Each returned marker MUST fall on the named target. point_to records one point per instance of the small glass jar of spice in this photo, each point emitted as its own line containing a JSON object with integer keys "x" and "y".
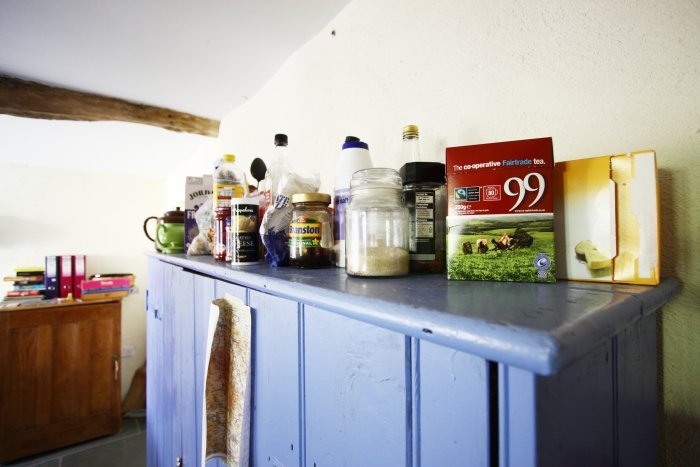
{"x": 311, "y": 231}
{"x": 222, "y": 226}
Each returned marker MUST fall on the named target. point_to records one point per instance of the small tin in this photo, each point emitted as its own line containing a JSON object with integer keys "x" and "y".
{"x": 243, "y": 237}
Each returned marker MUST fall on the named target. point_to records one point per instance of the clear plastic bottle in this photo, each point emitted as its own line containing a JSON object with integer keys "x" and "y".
{"x": 276, "y": 170}
{"x": 229, "y": 182}
{"x": 376, "y": 225}
{"x": 353, "y": 157}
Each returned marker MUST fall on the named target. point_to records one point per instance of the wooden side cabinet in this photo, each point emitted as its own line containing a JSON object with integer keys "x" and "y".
{"x": 60, "y": 375}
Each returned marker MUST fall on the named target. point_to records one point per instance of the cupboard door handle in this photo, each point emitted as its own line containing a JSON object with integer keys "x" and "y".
{"x": 115, "y": 358}
{"x": 178, "y": 462}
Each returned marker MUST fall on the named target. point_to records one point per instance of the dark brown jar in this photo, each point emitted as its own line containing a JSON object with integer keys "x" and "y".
{"x": 311, "y": 231}
{"x": 424, "y": 193}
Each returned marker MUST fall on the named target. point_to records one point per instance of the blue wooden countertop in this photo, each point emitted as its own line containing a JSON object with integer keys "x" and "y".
{"x": 538, "y": 327}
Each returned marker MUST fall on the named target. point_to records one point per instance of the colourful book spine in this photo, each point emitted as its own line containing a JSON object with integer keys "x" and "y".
{"x": 107, "y": 289}
{"x": 105, "y": 283}
{"x": 24, "y": 293}
{"x": 105, "y": 295}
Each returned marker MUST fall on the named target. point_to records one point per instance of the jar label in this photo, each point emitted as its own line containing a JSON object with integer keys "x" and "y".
{"x": 224, "y": 192}
{"x": 421, "y": 224}
{"x": 244, "y": 233}
{"x": 305, "y": 231}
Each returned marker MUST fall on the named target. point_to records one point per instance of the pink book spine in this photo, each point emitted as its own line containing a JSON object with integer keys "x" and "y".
{"x": 105, "y": 283}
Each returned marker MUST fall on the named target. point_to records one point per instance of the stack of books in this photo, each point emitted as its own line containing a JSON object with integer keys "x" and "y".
{"x": 104, "y": 286}
{"x": 27, "y": 285}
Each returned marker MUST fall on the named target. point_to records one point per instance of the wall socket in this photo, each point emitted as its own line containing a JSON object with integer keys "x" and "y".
{"x": 127, "y": 351}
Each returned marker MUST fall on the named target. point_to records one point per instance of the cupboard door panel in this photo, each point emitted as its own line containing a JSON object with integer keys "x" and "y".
{"x": 154, "y": 364}
{"x": 276, "y": 415}
{"x": 452, "y": 406}
{"x": 204, "y": 293}
{"x": 184, "y": 370}
{"x": 57, "y": 384}
{"x": 355, "y": 392}
{"x": 231, "y": 289}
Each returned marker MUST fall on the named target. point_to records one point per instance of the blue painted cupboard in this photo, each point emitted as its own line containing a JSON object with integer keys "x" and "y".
{"x": 413, "y": 371}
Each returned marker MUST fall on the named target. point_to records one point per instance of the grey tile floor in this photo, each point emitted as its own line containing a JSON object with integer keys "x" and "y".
{"x": 124, "y": 449}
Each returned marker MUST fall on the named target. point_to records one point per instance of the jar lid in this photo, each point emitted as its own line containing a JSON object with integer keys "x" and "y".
{"x": 410, "y": 130}
{"x": 376, "y": 178}
{"x": 229, "y": 158}
{"x": 174, "y": 217}
{"x": 311, "y": 198}
{"x": 354, "y": 142}
{"x": 255, "y": 201}
{"x": 281, "y": 139}
{"x": 423, "y": 172}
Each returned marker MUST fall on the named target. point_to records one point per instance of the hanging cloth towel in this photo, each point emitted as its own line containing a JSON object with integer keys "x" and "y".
{"x": 226, "y": 424}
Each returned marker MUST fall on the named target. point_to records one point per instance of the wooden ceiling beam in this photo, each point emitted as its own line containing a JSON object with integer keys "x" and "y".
{"x": 22, "y": 98}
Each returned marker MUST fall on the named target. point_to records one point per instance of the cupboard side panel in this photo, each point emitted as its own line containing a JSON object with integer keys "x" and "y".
{"x": 355, "y": 392}
{"x": 276, "y": 416}
{"x": 565, "y": 419}
{"x": 453, "y": 406}
{"x": 636, "y": 393}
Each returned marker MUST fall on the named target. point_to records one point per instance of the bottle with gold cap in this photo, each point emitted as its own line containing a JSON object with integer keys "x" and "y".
{"x": 229, "y": 182}
{"x": 411, "y": 149}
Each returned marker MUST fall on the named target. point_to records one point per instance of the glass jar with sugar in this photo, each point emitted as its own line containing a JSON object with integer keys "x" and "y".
{"x": 376, "y": 225}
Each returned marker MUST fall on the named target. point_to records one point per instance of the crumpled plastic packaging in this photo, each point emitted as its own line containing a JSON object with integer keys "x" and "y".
{"x": 274, "y": 228}
{"x": 202, "y": 243}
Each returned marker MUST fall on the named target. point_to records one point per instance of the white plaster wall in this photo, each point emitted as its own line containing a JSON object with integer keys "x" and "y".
{"x": 66, "y": 211}
{"x": 599, "y": 77}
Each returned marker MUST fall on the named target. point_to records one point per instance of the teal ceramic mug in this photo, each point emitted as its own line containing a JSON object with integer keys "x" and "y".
{"x": 170, "y": 232}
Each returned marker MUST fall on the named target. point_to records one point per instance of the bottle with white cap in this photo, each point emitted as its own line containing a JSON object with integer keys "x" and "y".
{"x": 353, "y": 157}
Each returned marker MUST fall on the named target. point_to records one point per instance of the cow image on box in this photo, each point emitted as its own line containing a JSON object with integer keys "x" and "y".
{"x": 500, "y": 211}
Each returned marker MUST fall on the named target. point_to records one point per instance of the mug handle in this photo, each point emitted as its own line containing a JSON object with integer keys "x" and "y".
{"x": 145, "y": 223}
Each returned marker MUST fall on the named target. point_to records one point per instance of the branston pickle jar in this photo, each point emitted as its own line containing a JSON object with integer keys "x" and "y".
{"x": 311, "y": 231}
{"x": 376, "y": 225}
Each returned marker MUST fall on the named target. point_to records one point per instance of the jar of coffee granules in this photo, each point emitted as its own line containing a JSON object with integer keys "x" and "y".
{"x": 424, "y": 193}
{"x": 376, "y": 225}
{"x": 311, "y": 231}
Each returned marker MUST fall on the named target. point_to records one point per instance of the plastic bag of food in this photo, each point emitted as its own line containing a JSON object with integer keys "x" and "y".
{"x": 202, "y": 243}
{"x": 274, "y": 229}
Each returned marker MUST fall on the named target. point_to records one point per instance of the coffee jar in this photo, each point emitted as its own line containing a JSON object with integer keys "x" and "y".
{"x": 376, "y": 225}
{"x": 424, "y": 193}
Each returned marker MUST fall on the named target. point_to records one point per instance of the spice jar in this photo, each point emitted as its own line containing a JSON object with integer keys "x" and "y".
{"x": 424, "y": 193}
{"x": 376, "y": 225}
{"x": 222, "y": 226}
{"x": 311, "y": 231}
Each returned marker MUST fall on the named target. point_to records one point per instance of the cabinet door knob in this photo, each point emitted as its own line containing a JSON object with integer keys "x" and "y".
{"x": 178, "y": 462}
{"x": 115, "y": 358}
